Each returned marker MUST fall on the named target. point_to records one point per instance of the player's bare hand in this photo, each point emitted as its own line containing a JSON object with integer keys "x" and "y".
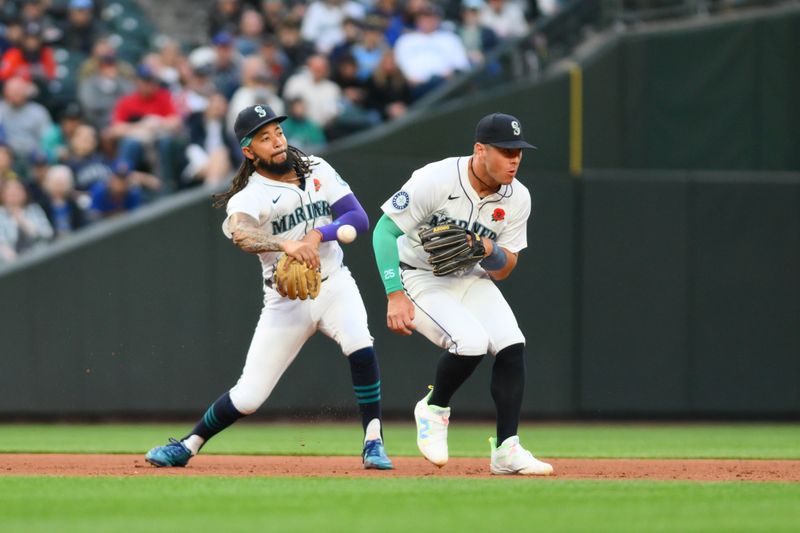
{"x": 303, "y": 251}
{"x": 488, "y": 245}
{"x": 313, "y": 237}
{"x": 400, "y": 313}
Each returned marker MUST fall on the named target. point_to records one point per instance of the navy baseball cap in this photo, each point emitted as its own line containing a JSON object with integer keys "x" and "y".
{"x": 145, "y": 72}
{"x": 120, "y": 167}
{"x": 501, "y": 130}
{"x": 222, "y": 38}
{"x": 251, "y": 119}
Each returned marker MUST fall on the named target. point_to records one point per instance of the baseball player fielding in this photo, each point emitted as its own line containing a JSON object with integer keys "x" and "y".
{"x": 446, "y": 236}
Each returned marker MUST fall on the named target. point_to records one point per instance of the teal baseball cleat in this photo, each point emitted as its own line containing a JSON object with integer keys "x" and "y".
{"x": 172, "y": 454}
{"x": 375, "y": 457}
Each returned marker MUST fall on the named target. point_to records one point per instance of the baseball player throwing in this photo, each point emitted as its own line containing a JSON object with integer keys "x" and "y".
{"x": 454, "y": 227}
{"x": 282, "y": 201}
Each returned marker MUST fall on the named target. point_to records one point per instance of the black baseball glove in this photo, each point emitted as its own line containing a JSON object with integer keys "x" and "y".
{"x": 451, "y": 248}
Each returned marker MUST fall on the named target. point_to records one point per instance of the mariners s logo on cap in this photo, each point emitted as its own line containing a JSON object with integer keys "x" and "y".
{"x": 501, "y": 130}
{"x": 251, "y": 119}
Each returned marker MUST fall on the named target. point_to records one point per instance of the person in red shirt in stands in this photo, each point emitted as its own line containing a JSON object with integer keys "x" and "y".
{"x": 147, "y": 120}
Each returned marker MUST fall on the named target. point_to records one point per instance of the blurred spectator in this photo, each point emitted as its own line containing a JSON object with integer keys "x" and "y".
{"x": 23, "y": 225}
{"x": 171, "y": 62}
{"x": 56, "y": 139}
{"x": 351, "y": 34}
{"x": 224, "y": 16}
{"x": 299, "y": 131}
{"x": 392, "y": 15}
{"x": 36, "y": 11}
{"x": 147, "y": 120}
{"x": 31, "y": 60}
{"x": 296, "y": 49}
{"x": 251, "y": 28}
{"x": 370, "y": 48}
{"x": 34, "y": 181}
{"x": 102, "y": 48}
{"x": 227, "y": 64}
{"x": 274, "y": 13}
{"x": 388, "y": 90}
{"x": 98, "y": 93}
{"x": 429, "y": 55}
{"x": 166, "y": 76}
{"x": 59, "y": 202}
{"x": 87, "y": 163}
{"x": 213, "y": 150}
{"x": 505, "y": 18}
{"x": 25, "y": 122}
{"x": 320, "y": 95}
{"x": 11, "y": 34}
{"x": 322, "y": 22}
{"x": 197, "y": 88}
{"x": 410, "y": 9}
{"x": 275, "y": 61}
{"x": 353, "y": 115}
{"x": 545, "y": 7}
{"x": 81, "y": 28}
{"x": 7, "y": 171}
{"x": 257, "y": 87}
{"x": 116, "y": 195}
{"x": 478, "y": 39}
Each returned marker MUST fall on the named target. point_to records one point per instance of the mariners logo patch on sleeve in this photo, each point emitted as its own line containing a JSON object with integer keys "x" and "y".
{"x": 400, "y": 200}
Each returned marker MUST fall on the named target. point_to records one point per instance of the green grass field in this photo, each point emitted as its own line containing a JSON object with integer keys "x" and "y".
{"x": 403, "y": 504}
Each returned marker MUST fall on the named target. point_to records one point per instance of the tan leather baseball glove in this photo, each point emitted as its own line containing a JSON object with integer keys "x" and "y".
{"x": 294, "y": 279}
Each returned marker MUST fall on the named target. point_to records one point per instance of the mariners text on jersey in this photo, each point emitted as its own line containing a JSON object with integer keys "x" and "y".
{"x": 301, "y": 214}
{"x": 437, "y": 219}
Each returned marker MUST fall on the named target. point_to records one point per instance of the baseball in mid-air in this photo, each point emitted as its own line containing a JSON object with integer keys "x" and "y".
{"x": 346, "y": 233}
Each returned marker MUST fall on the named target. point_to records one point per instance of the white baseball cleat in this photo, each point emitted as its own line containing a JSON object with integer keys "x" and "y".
{"x": 432, "y": 424}
{"x": 511, "y": 458}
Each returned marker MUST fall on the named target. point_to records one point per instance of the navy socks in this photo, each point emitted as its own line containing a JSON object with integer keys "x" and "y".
{"x": 508, "y": 386}
{"x": 219, "y": 416}
{"x": 366, "y": 383}
{"x": 451, "y": 372}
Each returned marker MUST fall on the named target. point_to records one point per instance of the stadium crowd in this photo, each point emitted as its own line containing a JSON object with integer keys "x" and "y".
{"x": 132, "y": 127}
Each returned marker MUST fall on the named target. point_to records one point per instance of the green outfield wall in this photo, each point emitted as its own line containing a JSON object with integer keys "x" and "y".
{"x": 641, "y": 294}
{"x": 646, "y": 290}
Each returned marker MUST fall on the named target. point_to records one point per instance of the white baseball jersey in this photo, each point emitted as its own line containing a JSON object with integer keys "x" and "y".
{"x": 285, "y": 325}
{"x": 291, "y": 212}
{"x": 440, "y": 193}
{"x": 463, "y": 313}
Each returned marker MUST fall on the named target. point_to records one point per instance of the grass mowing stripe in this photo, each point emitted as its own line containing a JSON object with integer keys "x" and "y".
{"x": 744, "y": 441}
{"x": 416, "y": 504}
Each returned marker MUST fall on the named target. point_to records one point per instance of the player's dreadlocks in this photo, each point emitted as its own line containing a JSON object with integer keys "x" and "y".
{"x": 301, "y": 165}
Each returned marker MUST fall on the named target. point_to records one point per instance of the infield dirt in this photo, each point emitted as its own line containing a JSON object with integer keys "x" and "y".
{"x": 313, "y": 466}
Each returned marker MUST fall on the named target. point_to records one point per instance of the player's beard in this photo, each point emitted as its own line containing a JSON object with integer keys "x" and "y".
{"x": 278, "y": 169}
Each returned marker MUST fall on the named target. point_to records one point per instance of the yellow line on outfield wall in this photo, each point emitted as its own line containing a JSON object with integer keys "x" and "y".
{"x": 575, "y": 119}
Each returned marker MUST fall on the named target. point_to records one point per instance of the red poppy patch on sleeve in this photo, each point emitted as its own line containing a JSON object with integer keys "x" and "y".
{"x": 498, "y": 215}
